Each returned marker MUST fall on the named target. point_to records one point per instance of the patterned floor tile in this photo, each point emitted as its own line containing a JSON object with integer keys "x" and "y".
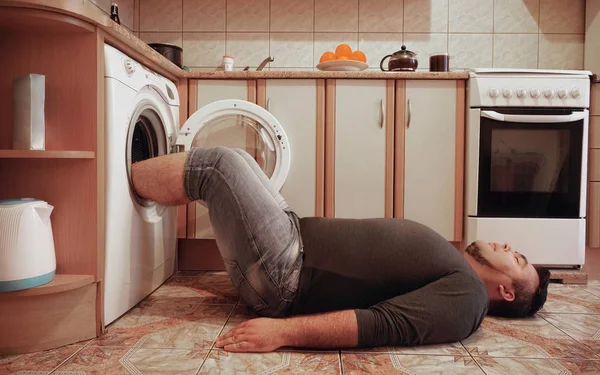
{"x": 523, "y": 338}
{"x": 133, "y": 361}
{"x": 153, "y": 311}
{"x": 582, "y": 327}
{"x": 581, "y": 366}
{"x": 38, "y": 362}
{"x": 593, "y": 286}
{"x": 571, "y": 299}
{"x": 207, "y": 289}
{"x": 221, "y": 362}
{"x": 442, "y": 349}
{"x": 177, "y": 326}
{"x": 383, "y": 363}
{"x": 199, "y": 330}
{"x": 219, "y": 284}
{"x": 95, "y": 361}
{"x": 502, "y": 366}
{"x": 240, "y": 314}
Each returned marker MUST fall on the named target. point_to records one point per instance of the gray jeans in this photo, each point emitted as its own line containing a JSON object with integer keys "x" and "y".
{"x": 257, "y": 234}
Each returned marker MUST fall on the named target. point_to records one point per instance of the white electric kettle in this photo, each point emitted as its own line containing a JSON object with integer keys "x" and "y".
{"x": 27, "y": 257}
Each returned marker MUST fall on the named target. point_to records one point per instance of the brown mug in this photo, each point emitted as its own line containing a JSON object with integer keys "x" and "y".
{"x": 440, "y": 62}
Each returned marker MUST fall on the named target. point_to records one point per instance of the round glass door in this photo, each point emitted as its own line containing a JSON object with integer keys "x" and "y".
{"x": 239, "y": 131}
{"x": 146, "y": 139}
{"x": 244, "y": 125}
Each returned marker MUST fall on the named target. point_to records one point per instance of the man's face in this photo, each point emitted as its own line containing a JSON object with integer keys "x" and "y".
{"x": 501, "y": 257}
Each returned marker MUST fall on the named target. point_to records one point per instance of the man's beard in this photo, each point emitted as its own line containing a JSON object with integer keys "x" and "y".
{"x": 474, "y": 251}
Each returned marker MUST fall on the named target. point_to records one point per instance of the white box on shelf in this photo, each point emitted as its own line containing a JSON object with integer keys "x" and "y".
{"x": 28, "y": 114}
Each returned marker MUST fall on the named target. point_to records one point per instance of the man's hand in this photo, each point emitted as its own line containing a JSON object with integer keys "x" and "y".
{"x": 255, "y": 335}
{"x": 329, "y": 330}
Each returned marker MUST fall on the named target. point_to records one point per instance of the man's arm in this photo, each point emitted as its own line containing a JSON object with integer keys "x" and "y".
{"x": 446, "y": 310}
{"x": 329, "y": 330}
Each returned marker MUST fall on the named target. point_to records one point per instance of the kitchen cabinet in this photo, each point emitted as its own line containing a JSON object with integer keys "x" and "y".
{"x": 593, "y": 214}
{"x": 359, "y": 148}
{"x": 203, "y": 92}
{"x": 298, "y": 105}
{"x": 430, "y": 155}
{"x": 595, "y": 100}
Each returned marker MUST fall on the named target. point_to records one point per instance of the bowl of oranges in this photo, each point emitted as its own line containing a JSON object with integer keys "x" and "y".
{"x": 343, "y": 59}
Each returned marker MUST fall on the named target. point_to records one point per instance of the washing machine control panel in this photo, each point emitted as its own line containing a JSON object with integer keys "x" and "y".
{"x": 129, "y": 66}
{"x": 138, "y": 73}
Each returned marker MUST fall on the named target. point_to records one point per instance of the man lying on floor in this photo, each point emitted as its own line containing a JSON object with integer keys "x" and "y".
{"x": 338, "y": 283}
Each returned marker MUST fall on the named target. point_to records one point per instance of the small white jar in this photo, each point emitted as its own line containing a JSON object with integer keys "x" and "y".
{"x": 228, "y": 63}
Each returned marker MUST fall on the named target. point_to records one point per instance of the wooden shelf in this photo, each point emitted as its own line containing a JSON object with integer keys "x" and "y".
{"x": 61, "y": 283}
{"x": 21, "y": 20}
{"x": 46, "y": 154}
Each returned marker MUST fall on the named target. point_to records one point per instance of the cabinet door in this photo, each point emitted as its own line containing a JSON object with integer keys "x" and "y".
{"x": 209, "y": 91}
{"x": 298, "y": 105}
{"x": 203, "y": 92}
{"x": 430, "y": 173}
{"x": 360, "y": 184}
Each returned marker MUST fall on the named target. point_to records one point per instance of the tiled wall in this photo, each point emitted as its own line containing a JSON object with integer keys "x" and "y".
{"x": 126, "y": 10}
{"x": 478, "y": 33}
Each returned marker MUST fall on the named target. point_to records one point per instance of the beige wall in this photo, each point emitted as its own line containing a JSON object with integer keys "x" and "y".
{"x": 126, "y": 10}
{"x": 592, "y": 36}
{"x": 480, "y": 33}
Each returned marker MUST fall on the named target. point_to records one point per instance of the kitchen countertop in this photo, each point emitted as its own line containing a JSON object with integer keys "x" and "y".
{"x": 323, "y": 75}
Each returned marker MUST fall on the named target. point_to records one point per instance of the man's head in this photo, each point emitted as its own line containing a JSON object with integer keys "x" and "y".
{"x": 515, "y": 287}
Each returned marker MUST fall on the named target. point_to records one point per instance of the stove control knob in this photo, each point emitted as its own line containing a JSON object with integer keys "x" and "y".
{"x": 562, "y": 93}
{"x": 521, "y": 93}
{"x": 549, "y": 93}
{"x": 494, "y": 93}
{"x": 535, "y": 93}
{"x": 507, "y": 93}
{"x": 576, "y": 93}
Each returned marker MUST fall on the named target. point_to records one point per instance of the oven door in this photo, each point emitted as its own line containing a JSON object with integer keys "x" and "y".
{"x": 532, "y": 163}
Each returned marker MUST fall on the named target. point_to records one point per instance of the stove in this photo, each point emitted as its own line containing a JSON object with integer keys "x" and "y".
{"x": 526, "y": 162}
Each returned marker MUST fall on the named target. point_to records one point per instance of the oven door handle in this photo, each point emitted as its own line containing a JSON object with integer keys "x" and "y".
{"x": 576, "y": 116}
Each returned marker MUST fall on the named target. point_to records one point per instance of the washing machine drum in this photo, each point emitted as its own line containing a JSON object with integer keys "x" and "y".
{"x": 244, "y": 125}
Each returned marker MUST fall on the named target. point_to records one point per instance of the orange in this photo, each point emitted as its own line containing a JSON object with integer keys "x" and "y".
{"x": 343, "y": 50}
{"x": 359, "y": 56}
{"x": 327, "y": 56}
{"x": 343, "y": 58}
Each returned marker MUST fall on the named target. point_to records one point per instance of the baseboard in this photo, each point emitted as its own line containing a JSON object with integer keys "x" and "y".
{"x": 199, "y": 255}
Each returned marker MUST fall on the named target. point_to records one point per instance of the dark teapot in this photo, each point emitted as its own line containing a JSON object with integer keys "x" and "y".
{"x": 402, "y": 60}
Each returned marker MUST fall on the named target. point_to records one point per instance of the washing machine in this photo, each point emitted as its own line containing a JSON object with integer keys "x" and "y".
{"x": 142, "y": 117}
{"x": 142, "y": 122}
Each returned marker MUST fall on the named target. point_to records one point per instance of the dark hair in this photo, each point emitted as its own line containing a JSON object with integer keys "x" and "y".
{"x": 526, "y": 302}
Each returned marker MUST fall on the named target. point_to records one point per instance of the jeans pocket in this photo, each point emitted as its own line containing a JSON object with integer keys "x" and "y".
{"x": 249, "y": 295}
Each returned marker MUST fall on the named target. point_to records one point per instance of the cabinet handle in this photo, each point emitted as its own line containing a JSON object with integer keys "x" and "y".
{"x": 269, "y": 104}
{"x": 382, "y": 114}
{"x": 409, "y": 114}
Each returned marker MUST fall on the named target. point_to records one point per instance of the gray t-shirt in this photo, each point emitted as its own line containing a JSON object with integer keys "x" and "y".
{"x": 405, "y": 282}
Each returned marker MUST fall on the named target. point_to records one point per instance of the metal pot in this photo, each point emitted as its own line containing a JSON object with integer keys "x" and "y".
{"x": 172, "y": 52}
{"x": 402, "y": 60}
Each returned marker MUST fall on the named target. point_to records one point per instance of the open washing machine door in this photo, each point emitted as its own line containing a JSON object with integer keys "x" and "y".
{"x": 240, "y": 124}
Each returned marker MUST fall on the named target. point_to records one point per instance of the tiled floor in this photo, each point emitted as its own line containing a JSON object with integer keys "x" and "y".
{"x": 173, "y": 332}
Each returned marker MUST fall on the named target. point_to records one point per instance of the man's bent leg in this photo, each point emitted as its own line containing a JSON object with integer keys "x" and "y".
{"x": 160, "y": 179}
{"x": 263, "y": 178}
{"x": 258, "y": 240}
